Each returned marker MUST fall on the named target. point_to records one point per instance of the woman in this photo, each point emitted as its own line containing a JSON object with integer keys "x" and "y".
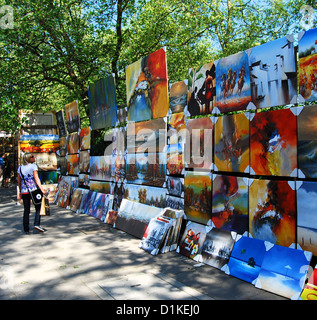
{"x": 27, "y": 183}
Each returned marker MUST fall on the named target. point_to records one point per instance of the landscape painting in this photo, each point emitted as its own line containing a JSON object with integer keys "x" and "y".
{"x": 274, "y": 144}
{"x": 230, "y": 199}
{"x": 273, "y": 73}
{"x": 307, "y": 66}
{"x": 233, "y": 83}
{"x": 198, "y": 195}
{"x": 100, "y": 168}
{"x": 307, "y": 141}
{"x": 72, "y": 117}
{"x": 46, "y": 161}
{"x": 178, "y": 96}
{"x": 175, "y": 159}
{"x": 232, "y": 143}
{"x": 306, "y": 216}
{"x": 272, "y": 211}
{"x": 246, "y": 258}
{"x": 147, "y": 87}
{"x": 202, "y": 89}
{"x": 217, "y": 247}
{"x": 284, "y": 271}
{"x": 176, "y": 128}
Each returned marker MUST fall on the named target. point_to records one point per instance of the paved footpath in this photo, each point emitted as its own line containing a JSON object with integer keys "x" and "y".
{"x": 81, "y": 258}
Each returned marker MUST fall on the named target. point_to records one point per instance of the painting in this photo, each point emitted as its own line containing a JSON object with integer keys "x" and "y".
{"x": 147, "y": 169}
{"x": 73, "y": 143}
{"x": 100, "y": 168}
{"x": 273, "y": 145}
{"x": 176, "y": 128}
{"x": 147, "y": 87}
{"x": 84, "y": 161}
{"x": 192, "y": 240}
{"x": 39, "y": 143}
{"x": 72, "y": 117}
{"x": 174, "y": 202}
{"x": 111, "y": 217}
{"x": 307, "y": 65}
{"x": 307, "y": 142}
{"x": 62, "y": 165}
{"x": 102, "y": 103}
{"x": 63, "y": 146}
{"x": 198, "y": 195}
{"x": 273, "y": 73}
{"x": 202, "y": 89}
{"x": 48, "y": 177}
{"x": 306, "y": 215}
{"x": 217, "y": 247}
{"x": 246, "y": 258}
{"x": 175, "y": 186}
{"x": 147, "y": 136}
{"x": 175, "y": 163}
{"x": 118, "y": 169}
{"x": 134, "y": 217}
{"x": 233, "y": 83}
{"x": 83, "y": 180}
{"x": 100, "y": 186}
{"x": 46, "y": 161}
{"x": 76, "y": 199}
{"x": 84, "y": 138}
{"x": 198, "y": 147}
{"x": 73, "y": 164}
{"x": 89, "y": 202}
{"x": 284, "y": 271}
{"x": 62, "y": 131}
{"x": 310, "y": 290}
{"x": 230, "y": 200}
{"x": 232, "y": 143}
{"x": 100, "y": 206}
{"x": 64, "y": 189}
{"x": 178, "y": 96}
{"x": 83, "y": 201}
{"x": 272, "y": 211}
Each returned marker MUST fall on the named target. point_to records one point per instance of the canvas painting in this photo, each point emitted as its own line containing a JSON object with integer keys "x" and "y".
{"x": 46, "y": 161}
{"x": 64, "y": 189}
{"x": 147, "y": 136}
{"x": 217, "y": 247}
{"x": 272, "y": 211}
{"x": 39, "y": 143}
{"x": 174, "y": 202}
{"x": 100, "y": 186}
{"x": 99, "y": 206}
{"x": 89, "y": 202}
{"x": 175, "y": 163}
{"x": 307, "y": 65}
{"x": 178, "y": 96}
{"x": 63, "y": 146}
{"x": 273, "y": 144}
{"x": 147, "y": 87}
{"x": 134, "y": 217}
{"x": 192, "y": 240}
{"x": 198, "y": 147}
{"x": 175, "y": 186}
{"x": 284, "y": 271}
{"x": 84, "y": 138}
{"x": 62, "y": 131}
{"x": 273, "y": 73}
{"x": 100, "y": 168}
{"x": 202, "y": 89}
{"x": 72, "y": 117}
{"x": 307, "y": 142}
{"x": 102, "y": 103}
{"x": 146, "y": 170}
{"x": 233, "y": 83}
{"x": 84, "y": 161}
{"x": 176, "y": 128}
{"x": 118, "y": 189}
{"x": 62, "y": 165}
{"x": 230, "y": 200}
{"x": 118, "y": 169}
{"x": 48, "y": 177}
{"x": 246, "y": 258}
{"x": 119, "y": 137}
{"x": 73, "y": 164}
{"x": 306, "y": 215}
{"x": 111, "y": 217}
{"x": 198, "y": 195}
{"x": 83, "y": 180}
{"x": 232, "y": 143}
{"x": 76, "y": 199}
{"x": 83, "y": 201}
{"x": 73, "y": 143}
{"x": 310, "y": 290}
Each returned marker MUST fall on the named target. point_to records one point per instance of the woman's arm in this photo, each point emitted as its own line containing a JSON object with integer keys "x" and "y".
{"x": 38, "y": 181}
{"x": 19, "y": 188}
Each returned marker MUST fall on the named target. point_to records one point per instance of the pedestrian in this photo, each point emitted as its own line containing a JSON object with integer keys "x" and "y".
{"x": 28, "y": 181}
{"x": 6, "y": 172}
{"x": 1, "y": 166}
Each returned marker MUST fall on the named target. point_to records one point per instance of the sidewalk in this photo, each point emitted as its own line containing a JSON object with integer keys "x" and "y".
{"x": 81, "y": 258}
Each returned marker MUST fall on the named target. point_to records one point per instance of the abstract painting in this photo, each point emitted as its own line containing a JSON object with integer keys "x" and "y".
{"x": 102, "y": 103}
{"x": 147, "y": 87}
{"x": 198, "y": 195}
{"x": 64, "y": 189}
{"x": 72, "y": 117}
{"x": 202, "y": 89}
{"x": 100, "y": 186}
{"x": 272, "y": 211}
{"x": 273, "y": 145}
{"x": 76, "y": 199}
{"x": 63, "y": 146}
{"x": 84, "y": 161}
{"x": 198, "y": 146}
{"x": 73, "y": 143}
{"x": 175, "y": 186}
{"x": 100, "y": 168}
{"x": 307, "y": 65}
{"x": 273, "y": 73}
{"x": 176, "y": 128}
{"x": 48, "y": 177}
{"x": 89, "y": 202}
{"x": 217, "y": 247}
{"x": 310, "y": 290}
{"x": 246, "y": 258}
{"x": 62, "y": 131}
{"x": 73, "y": 164}
{"x": 284, "y": 271}
{"x": 85, "y": 137}
{"x": 306, "y": 215}
{"x": 175, "y": 159}
{"x": 230, "y": 199}
{"x": 232, "y": 143}
{"x": 307, "y": 142}
{"x": 46, "y": 161}
{"x": 233, "y": 83}
{"x": 178, "y": 96}
{"x": 192, "y": 240}
{"x": 174, "y": 202}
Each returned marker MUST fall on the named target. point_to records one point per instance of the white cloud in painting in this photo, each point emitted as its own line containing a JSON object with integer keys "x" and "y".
{"x": 306, "y": 208}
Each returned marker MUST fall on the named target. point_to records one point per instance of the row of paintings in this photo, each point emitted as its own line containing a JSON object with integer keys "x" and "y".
{"x": 274, "y": 268}
{"x": 277, "y": 211}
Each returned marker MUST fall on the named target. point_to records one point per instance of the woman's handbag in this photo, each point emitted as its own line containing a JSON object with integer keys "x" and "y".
{"x": 36, "y": 195}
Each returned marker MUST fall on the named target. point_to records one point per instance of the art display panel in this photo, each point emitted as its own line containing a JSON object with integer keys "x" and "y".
{"x": 147, "y": 87}
{"x": 198, "y": 195}
{"x": 272, "y": 211}
{"x": 178, "y": 96}
{"x": 307, "y": 142}
{"x": 232, "y": 143}
{"x": 273, "y": 73}
{"x": 273, "y": 144}
{"x": 233, "y": 83}
{"x": 230, "y": 203}
{"x": 72, "y": 117}
{"x": 306, "y": 215}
